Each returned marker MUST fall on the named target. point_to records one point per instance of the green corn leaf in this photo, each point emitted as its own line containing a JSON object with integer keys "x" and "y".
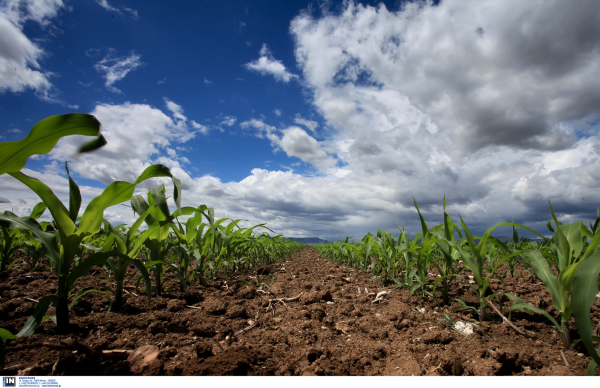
{"x": 38, "y": 210}
{"x": 575, "y": 238}
{"x": 118, "y": 192}
{"x": 4, "y": 335}
{"x": 136, "y": 225}
{"x": 563, "y": 247}
{"x": 585, "y": 231}
{"x": 158, "y": 194}
{"x": 87, "y": 292}
{"x": 423, "y": 223}
{"x": 590, "y": 249}
{"x": 529, "y": 308}
{"x": 59, "y": 212}
{"x": 38, "y": 314}
{"x": 86, "y": 265}
{"x": 476, "y": 252}
{"x": 48, "y": 240}
{"x": 93, "y": 145}
{"x": 584, "y": 291}
{"x": 139, "y": 265}
{"x": 139, "y": 206}
{"x": 74, "y": 196}
{"x": 43, "y": 137}
{"x": 556, "y": 221}
{"x": 542, "y": 270}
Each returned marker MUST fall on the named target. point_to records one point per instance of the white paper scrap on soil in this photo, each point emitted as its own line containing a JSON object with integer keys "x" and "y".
{"x": 465, "y": 328}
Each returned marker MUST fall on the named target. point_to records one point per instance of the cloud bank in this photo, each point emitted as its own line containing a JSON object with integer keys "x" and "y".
{"x": 495, "y": 105}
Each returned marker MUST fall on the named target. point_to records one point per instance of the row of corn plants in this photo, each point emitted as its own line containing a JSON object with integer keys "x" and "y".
{"x": 189, "y": 244}
{"x": 573, "y": 252}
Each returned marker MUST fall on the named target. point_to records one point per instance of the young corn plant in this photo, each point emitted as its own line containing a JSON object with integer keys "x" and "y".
{"x": 41, "y": 140}
{"x": 482, "y": 254}
{"x": 425, "y": 250}
{"x": 450, "y": 256}
{"x": 9, "y": 244}
{"x": 159, "y": 221}
{"x": 72, "y": 236}
{"x": 572, "y": 250}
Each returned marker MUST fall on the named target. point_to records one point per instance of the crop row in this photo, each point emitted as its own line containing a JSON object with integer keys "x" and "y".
{"x": 568, "y": 264}
{"x": 189, "y": 244}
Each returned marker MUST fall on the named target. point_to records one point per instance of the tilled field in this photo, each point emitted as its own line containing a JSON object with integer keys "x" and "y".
{"x": 304, "y": 316}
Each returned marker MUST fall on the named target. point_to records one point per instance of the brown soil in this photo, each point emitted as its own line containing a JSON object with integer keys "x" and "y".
{"x": 332, "y": 328}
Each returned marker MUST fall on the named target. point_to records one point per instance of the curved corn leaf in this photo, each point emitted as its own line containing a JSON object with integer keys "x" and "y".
{"x": 59, "y": 212}
{"x": 528, "y": 308}
{"x": 4, "y": 335}
{"x": 44, "y": 136}
{"x": 542, "y": 270}
{"x": 145, "y": 277}
{"x": 38, "y": 314}
{"x": 10, "y": 220}
{"x": 38, "y": 210}
{"x": 118, "y": 192}
{"x": 74, "y": 196}
{"x": 584, "y": 291}
{"x": 92, "y": 145}
{"x": 87, "y": 292}
{"x": 86, "y": 265}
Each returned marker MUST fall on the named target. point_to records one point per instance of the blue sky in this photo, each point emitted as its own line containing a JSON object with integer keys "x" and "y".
{"x": 321, "y": 118}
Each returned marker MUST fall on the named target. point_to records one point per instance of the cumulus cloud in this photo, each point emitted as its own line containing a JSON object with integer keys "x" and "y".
{"x": 137, "y": 135}
{"x": 312, "y": 125}
{"x": 492, "y": 104}
{"x": 295, "y": 142}
{"x": 227, "y": 121}
{"x": 116, "y": 68}
{"x": 277, "y": 112}
{"x": 487, "y": 103}
{"x": 266, "y": 64}
{"x": 19, "y": 56}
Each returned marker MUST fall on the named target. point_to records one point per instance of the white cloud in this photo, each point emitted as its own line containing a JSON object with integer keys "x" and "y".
{"x": 39, "y": 11}
{"x": 104, "y": 4}
{"x": 19, "y": 56}
{"x": 133, "y": 12}
{"x": 116, "y": 68}
{"x": 266, "y": 64}
{"x": 260, "y": 126}
{"x": 201, "y": 128}
{"x": 454, "y": 100}
{"x": 312, "y": 125}
{"x": 295, "y": 142}
{"x": 206, "y": 81}
{"x": 277, "y": 112}
{"x": 227, "y": 120}
{"x": 137, "y": 135}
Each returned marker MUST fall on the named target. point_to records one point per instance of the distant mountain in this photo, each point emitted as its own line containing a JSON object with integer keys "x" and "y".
{"x": 309, "y": 240}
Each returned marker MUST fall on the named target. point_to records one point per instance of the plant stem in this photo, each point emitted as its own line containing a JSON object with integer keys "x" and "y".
{"x": 482, "y": 310}
{"x": 566, "y": 335}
